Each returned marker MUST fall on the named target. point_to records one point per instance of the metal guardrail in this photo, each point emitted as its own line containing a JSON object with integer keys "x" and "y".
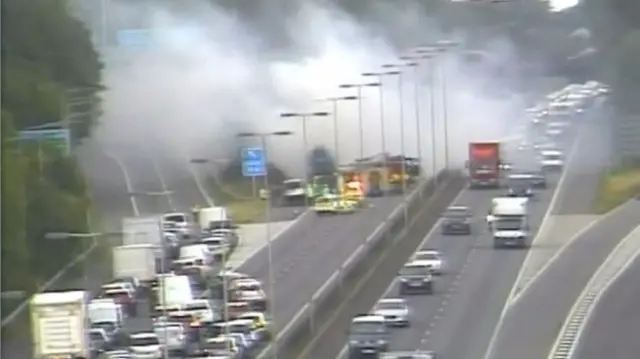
{"x": 16, "y": 312}
{"x": 392, "y": 227}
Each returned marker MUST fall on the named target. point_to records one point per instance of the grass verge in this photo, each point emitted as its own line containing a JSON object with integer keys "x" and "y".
{"x": 243, "y": 205}
{"x": 616, "y": 188}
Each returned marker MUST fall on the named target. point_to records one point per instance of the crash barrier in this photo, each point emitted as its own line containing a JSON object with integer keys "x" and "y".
{"x": 307, "y": 322}
{"x": 16, "y": 312}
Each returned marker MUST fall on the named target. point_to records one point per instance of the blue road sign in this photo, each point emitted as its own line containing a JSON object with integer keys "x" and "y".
{"x": 254, "y": 163}
{"x": 60, "y": 138}
{"x": 134, "y": 38}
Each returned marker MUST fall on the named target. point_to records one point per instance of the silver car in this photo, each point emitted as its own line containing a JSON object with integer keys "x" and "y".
{"x": 394, "y": 310}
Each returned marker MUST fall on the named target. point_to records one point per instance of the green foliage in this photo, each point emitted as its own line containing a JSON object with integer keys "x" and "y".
{"x": 48, "y": 62}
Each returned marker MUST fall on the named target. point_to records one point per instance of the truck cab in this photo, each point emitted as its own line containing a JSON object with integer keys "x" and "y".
{"x": 295, "y": 192}
{"x": 510, "y": 223}
{"x": 484, "y": 165}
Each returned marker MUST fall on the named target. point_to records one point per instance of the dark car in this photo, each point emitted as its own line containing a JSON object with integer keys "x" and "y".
{"x": 520, "y": 185}
{"x": 416, "y": 278}
{"x": 456, "y": 220}
{"x": 538, "y": 179}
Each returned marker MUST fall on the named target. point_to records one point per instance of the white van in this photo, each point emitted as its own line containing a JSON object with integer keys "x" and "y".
{"x": 105, "y": 311}
{"x": 510, "y": 221}
{"x": 174, "y": 290}
{"x": 198, "y": 251}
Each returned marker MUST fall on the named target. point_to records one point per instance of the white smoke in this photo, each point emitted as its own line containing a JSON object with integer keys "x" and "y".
{"x": 208, "y": 79}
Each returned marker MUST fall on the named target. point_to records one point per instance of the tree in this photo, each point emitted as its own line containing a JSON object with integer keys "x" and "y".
{"x": 45, "y": 53}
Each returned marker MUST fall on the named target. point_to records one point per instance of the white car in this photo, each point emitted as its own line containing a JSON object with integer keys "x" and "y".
{"x": 552, "y": 159}
{"x": 430, "y": 258}
{"x": 395, "y": 311}
{"x": 145, "y": 346}
{"x": 200, "y": 308}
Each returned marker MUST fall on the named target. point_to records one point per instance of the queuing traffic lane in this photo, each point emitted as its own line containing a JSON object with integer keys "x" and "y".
{"x": 532, "y": 322}
{"x": 612, "y": 329}
{"x": 309, "y": 252}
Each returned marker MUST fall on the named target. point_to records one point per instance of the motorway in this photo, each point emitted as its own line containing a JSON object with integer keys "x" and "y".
{"x": 532, "y": 323}
{"x": 612, "y": 330}
{"x": 458, "y": 321}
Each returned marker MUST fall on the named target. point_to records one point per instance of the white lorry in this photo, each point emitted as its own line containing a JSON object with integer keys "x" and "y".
{"x": 59, "y": 325}
{"x": 135, "y": 260}
{"x": 510, "y": 222}
{"x": 208, "y": 215}
{"x": 143, "y": 230}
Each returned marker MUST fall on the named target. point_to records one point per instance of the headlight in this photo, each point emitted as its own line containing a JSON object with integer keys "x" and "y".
{"x": 353, "y": 342}
{"x": 403, "y": 279}
{"x": 381, "y": 342}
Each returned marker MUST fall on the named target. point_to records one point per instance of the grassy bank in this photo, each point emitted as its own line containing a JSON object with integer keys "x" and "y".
{"x": 239, "y": 198}
{"x": 617, "y": 187}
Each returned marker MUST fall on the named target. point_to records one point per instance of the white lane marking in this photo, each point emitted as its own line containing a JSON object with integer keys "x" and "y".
{"x": 620, "y": 259}
{"x": 201, "y": 188}
{"x": 127, "y": 181}
{"x": 561, "y": 251}
{"x": 343, "y": 352}
{"x": 542, "y": 231}
{"x": 167, "y": 193}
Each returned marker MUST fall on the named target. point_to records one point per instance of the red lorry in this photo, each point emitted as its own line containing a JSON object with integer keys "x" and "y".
{"x": 484, "y": 165}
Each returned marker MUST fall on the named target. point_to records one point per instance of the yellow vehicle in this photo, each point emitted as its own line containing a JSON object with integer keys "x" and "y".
{"x": 333, "y": 204}
{"x": 259, "y": 321}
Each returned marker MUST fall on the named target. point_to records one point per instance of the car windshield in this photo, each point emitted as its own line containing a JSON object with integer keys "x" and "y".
{"x": 389, "y": 305}
{"x": 427, "y": 256}
{"x": 96, "y": 336}
{"x": 239, "y": 328}
{"x": 175, "y": 218}
{"x": 413, "y": 270}
{"x": 144, "y": 341}
{"x": 292, "y": 185}
{"x": 248, "y": 286}
{"x": 455, "y": 213}
{"x": 219, "y": 345}
{"x": 508, "y": 224}
{"x": 196, "y": 306}
{"x": 519, "y": 182}
{"x": 213, "y": 225}
{"x": 552, "y": 157}
{"x": 367, "y": 328}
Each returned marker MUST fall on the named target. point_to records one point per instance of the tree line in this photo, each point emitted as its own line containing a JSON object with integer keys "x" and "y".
{"x": 50, "y": 72}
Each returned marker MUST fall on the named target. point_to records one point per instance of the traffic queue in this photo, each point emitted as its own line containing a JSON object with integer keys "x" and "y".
{"x": 195, "y": 306}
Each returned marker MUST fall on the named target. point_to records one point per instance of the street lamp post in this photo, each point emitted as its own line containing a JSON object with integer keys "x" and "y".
{"x": 399, "y": 68}
{"x": 416, "y": 58}
{"x": 380, "y": 76}
{"x": 163, "y": 263}
{"x": 359, "y": 87}
{"x": 304, "y": 116}
{"x": 262, "y": 136}
{"x": 336, "y": 140}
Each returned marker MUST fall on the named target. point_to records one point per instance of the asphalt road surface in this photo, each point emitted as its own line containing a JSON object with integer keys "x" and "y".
{"x": 458, "y": 321}
{"x": 612, "y": 330}
{"x": 309, "y": 252}
{"x": 532, "y": 323}
{"x": 550, "y": 296}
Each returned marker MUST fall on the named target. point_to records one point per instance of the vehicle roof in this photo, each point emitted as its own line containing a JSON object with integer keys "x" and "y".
{"x": 458, "y": 208}
{"x": 221, "y": 339}
{"x": 144, "y": 335}
{"x": 291, "y": 180}
{"x": 247, "y": 281}
{"x": 415, "y": 264}
{"x": 428, "y": 251}
{"x": 368, "y": 318}
{"x": 392, "y": 301}
{"x": 520, "y": 176}
{"x": 174, "y": 214}
{"x": 240, "y": 322}
{"x": 551, "y": 152}
{"x": 250, "y": 314}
